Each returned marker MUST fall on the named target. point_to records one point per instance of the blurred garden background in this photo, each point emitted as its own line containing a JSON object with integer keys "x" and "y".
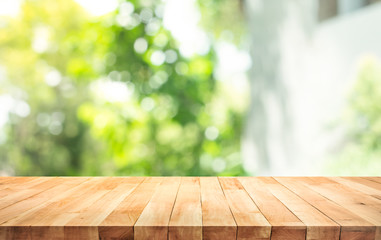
{"x": 187, "y": 87}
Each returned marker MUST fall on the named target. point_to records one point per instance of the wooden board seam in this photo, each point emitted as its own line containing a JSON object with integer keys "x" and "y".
{"x": 173, "y": 206}
{"x": 311, "y": 204}
{"x": 223, "y": 192}
{"x": 22, "y": 199}
{"x": 271, "y": 227}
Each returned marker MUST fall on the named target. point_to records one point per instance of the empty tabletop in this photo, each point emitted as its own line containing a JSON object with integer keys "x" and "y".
{"x": 257, "y": 208}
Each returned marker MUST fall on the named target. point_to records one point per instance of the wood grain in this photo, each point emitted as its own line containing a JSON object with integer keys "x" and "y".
{"x": 186, "y": 219}
{"x": 374, "y": 179}
{"x": 319, "y": 226}
{"x": 257, "y": 208}
{"x": 363, "y": 205}
{"x": 154, "y": 220}
{"x": 119, "y": 224}
{"x": 250, "y": 221}
{"x": 353, "y": 227}
{"x": 363, "y": 185}
{"x": 217, "y": 219}
{"x": 285, "y": 225}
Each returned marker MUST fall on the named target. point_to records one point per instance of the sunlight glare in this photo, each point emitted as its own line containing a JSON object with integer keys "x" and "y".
{"x": 98, "y": 7}
{"x": 10, "y": 7}
{"x": 181, "y": 18}
{"x": 112, "y": 91}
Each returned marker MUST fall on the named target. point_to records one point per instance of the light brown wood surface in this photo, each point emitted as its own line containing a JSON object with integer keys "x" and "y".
{"x": 186, "y": 218}
{"x": 217, "y": 219}
{"x": 285, "y": 225}
{"x": 257, "y": 208}
{"x": 353, "y": 227}
{"x": 154, "y": 220}
{"x": 250, "y": 221}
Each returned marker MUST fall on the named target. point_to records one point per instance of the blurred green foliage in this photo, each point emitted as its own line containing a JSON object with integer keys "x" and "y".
{"x": 361, "y": 153}
{"x": 225, "y": 19}
{"x": 110, "y": 96}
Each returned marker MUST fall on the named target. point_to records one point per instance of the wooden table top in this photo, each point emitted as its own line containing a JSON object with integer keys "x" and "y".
{"x": 190, "y": 208}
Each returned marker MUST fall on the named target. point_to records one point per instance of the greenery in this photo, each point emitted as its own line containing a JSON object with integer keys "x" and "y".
{"x": 224, "y": 19}
{"x": 362, "y": 149}
{"x": 110, "y": 96}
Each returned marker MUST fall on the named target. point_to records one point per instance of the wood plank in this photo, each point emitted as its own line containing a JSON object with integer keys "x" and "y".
{"x": 16, "y": 232}
{"x": 12, "y": 185}
{"x": 5, "y": 179}
{"x": 60, "y": 211}
{"x": 119, "y": 224}
{"x": 319, "y": 226}
{"x": 375, "y": 179}
{"x": 21, "y": 210}
{"x": 94, "y": 214}
{"x": 19, "y": 207}
{"x": 361, "y": 184}
{"x": 190, "y": 208}
{"x": 57, "y": 212}
{"x": 15, "y": 180}
{"x": 11, "y": 218}
{"x": 28, "y": 189}
{"x": 218, "y": 221}
{"x": 353, "y": 227}
{"x": 153, "y": 222}
{"x": 367, "y": 182}
{"x": 285, "y": 225}
{"x": 186, "y": 218}
{"x": 250, "y": 221}
{"x": 361, "y": 204}
{"x": 45, "y": 204}
{"x": 11, "y": 182}
{"x": 87, "y": 220}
